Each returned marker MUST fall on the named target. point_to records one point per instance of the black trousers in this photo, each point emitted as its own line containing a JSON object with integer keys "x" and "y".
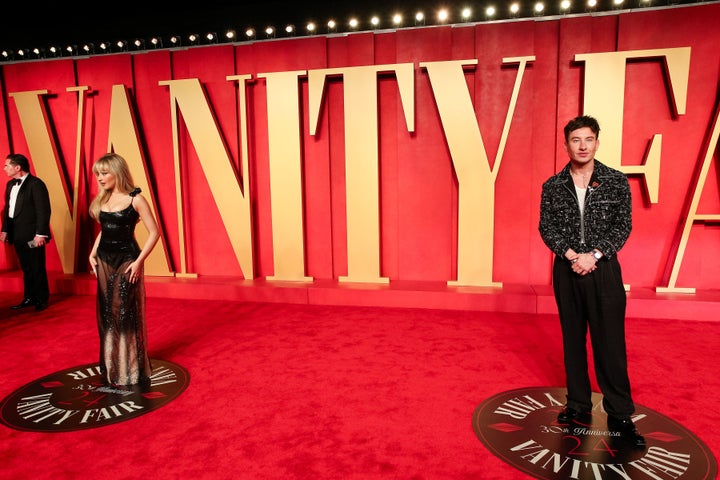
{"x": 596, "y": 301}
{"x": 35, "y": 280}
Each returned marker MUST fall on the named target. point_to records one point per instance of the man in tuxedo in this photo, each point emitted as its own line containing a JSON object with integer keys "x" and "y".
{"x": 26, "y": 224}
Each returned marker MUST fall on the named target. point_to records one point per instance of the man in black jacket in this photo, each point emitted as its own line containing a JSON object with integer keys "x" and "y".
{"x": 585, "y": 219}
{"x": 26, "y": 224}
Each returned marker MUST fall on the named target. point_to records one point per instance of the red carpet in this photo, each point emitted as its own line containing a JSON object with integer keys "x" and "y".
{"x": 282, "y": 391}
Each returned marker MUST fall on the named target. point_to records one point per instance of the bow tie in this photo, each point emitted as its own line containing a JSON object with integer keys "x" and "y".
{"x": 17, "y": 181}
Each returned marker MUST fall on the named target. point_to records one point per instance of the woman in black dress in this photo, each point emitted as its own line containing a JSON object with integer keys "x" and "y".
{"x": 117, "y": 261}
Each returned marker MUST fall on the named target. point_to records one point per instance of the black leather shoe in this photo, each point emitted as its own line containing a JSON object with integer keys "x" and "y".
{"x": 41, "y": 306}
{"x": 571, "y": 415}
{"x": 626, "y": 428}
{"x": 25, "y": 303}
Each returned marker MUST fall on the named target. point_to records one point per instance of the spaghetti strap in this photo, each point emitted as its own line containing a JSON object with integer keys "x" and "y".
{"x": 136, "y": 191}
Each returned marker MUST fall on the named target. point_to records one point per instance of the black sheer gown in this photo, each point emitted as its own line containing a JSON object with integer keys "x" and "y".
{"x": 121, "y": 304}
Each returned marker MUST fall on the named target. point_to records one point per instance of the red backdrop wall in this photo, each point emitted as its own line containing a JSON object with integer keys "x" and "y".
{"x": 418, "y": 184}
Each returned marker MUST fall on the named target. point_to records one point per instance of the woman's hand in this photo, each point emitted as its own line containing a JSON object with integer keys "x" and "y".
{"x": 133, "y": 271}
{"x": 93, "y": 262}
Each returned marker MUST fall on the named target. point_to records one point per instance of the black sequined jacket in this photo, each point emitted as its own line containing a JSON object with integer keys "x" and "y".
{"x": 607, "y": 219}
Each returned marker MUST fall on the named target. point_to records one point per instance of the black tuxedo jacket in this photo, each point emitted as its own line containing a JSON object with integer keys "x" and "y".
{"x": 32, "y": 211}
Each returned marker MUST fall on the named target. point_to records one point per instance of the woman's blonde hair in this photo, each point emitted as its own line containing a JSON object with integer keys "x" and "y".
{"x": 115, "y": 164}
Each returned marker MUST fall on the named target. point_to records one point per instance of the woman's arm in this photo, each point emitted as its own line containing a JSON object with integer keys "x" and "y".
{"x": 143, "y": 208}
{"x": 93, "y": 254}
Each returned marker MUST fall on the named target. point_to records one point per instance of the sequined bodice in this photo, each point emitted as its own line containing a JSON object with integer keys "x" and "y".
{"x": 118, "y": 230}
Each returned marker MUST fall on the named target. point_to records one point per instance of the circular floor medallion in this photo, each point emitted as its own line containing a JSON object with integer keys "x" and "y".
{"x": 520, "y": 427}
{"x": 76, "y": 399}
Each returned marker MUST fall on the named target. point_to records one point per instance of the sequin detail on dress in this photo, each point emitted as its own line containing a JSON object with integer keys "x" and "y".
{"x": 121, "y": 304}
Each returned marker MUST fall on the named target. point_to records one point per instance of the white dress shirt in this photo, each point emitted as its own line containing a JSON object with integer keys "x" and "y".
{"x": 13, "y": 196}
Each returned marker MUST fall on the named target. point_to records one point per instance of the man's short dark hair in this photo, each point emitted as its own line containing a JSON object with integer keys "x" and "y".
{"x": 20, "y": 160}
{"x": 580, "y": 122}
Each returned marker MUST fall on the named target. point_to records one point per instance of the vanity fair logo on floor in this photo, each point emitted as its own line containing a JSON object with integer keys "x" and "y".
{"x": 76, "y": 399}
{"x": 520, "y": 427}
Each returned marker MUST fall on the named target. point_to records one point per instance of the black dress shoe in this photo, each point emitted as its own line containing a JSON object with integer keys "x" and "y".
{"x": 40, "y": 306}
{"x": 571, "y": 415}
{"x": 626, "y": 428}
{"x": 25, "y": 303}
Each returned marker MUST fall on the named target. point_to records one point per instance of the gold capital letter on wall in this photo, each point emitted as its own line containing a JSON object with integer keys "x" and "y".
{"x": 78, "y": 162}
{"x": 286, "y": 194}
{"x": 124, "y": 140}
{"x": 604, "y": 98}
{"x": 476, "y": 180}
{"x": 361, "y": 157}
{"x": 244, "y": 250}
{"x": 188, "y": 97}
{"x": 43, "y": 154}
{"x": 693, "y": 216}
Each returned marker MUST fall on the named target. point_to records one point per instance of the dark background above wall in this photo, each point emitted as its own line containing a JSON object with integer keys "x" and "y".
{"x": 68, "y": 23}
{"x": 64, "y": 24}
